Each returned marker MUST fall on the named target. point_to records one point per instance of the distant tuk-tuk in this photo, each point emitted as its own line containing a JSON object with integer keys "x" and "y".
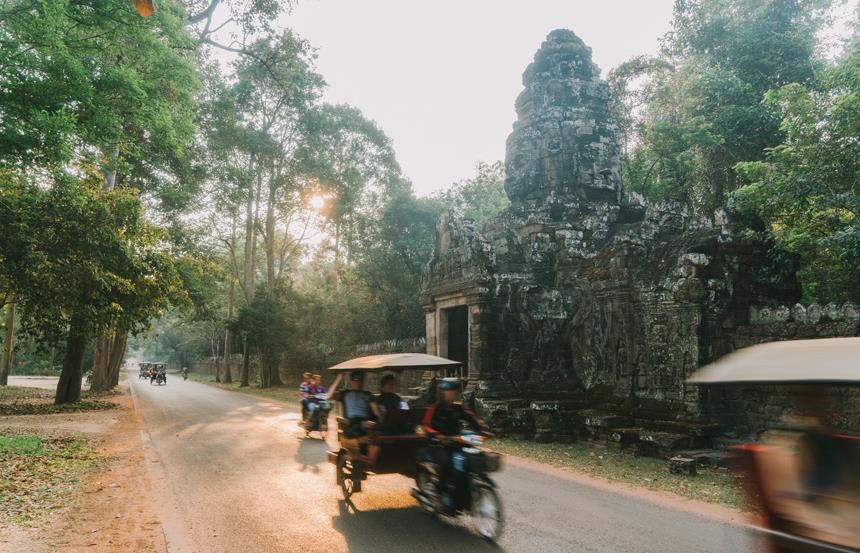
{"x": 806, "y": 481}
{"x": 158, "y": 373}
{"x": 406, "y": 453}
{"x": 143, "y": 371}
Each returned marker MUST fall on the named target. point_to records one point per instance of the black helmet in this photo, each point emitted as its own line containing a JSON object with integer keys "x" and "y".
{"x": 449, "y": 384}
{"x": 357, "y": 376}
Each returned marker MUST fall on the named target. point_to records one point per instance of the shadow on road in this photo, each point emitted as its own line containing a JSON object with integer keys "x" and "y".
{"x": 311, "y": 454}
{"x": 403, "y": 529}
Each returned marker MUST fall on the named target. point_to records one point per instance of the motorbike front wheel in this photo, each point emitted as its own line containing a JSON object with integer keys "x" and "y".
{"x": 428, "y": 491}
{"x": 486, "y": 510}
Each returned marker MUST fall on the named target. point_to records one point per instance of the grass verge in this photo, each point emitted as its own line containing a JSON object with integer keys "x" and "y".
{"x": 38, "y": 474}
{"x": 719, "y": 486}
{"x": 279, "y": 393}
{"x": 19, "y": 400}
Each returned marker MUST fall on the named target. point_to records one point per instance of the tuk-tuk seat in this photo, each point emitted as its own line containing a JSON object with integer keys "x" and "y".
{"x": 775, "y": 476}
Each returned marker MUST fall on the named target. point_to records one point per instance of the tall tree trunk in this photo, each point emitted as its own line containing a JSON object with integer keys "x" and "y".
{"x": 336, "y": 253}
{"x": 117, "y": 353}
{"x": 246, "y": 362}
{"x": 270, "y": 242}
{"x": 69, "y": 386}
{"x": 275, "y": 374}
{"x": 269, "y": 374}
{"x": 101, "y": 360}
{"x": 214, "y": 345}
{"x": 103, "y": 345}
{"x": 108, "y": 352}
{"x": 228, "y": 376}
{"x": 8, "y": 342}
{"x": 250, "y": 238}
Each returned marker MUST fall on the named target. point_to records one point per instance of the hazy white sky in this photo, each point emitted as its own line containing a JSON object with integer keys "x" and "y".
{"x": 441, "y": 77}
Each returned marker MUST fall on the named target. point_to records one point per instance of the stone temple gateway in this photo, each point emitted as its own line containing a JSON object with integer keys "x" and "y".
{"x": 579, "y": 313}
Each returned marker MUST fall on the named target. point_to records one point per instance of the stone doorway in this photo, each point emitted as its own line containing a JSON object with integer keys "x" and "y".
{"x": 455, "y": 338}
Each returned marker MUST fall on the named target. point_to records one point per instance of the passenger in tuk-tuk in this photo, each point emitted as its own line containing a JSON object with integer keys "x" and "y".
{"x": 356, "y": 404}
{"x": 828, "y": 463}
{"x": 389, "y": 409}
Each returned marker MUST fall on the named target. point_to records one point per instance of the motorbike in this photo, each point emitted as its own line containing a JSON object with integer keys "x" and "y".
{"x": 185, "y": 374}
{"x": 159, "y": 378}
{"x": 317, "y": 420}
{"x": 469, "y": 490}
{"x": 88, "y": 379}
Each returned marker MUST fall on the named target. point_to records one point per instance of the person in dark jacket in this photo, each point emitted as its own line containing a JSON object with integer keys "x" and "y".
{"x": 445, "y": 419}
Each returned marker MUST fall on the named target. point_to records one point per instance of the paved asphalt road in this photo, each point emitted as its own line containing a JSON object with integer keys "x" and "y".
{"x": 237, "y": 477}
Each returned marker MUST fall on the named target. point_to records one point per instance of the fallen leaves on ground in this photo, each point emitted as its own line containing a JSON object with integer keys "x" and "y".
{"x": 37, "y": 474}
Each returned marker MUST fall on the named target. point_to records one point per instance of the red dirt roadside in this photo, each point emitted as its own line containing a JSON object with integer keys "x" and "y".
{"x": 112, "y": 508}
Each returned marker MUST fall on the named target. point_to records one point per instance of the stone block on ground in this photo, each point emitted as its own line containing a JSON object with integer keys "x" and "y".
{"x": 666, "y": 442}
{"x": 682, "y": 465}
{"x": 600, "y": 419}
{"x": 708, "y": 457}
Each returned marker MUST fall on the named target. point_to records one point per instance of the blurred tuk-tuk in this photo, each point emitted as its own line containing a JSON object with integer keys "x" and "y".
{"x": 406, "y": 452}
{"x": 806, "y": 482}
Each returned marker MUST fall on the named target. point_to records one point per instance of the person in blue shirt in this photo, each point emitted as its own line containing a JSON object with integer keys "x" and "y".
{"x": 356, "y": 401}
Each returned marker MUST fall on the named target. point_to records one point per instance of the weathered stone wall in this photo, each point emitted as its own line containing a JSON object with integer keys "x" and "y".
{"x": 748, "y": 412}
{"x": 587, "y": 312}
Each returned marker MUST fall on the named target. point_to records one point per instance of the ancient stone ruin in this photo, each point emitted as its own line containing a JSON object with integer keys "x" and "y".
{"x": 580, "y": 313}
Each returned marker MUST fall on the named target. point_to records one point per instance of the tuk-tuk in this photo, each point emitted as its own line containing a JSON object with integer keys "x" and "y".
{"x": 143, "y": 372}
{"x": 807, "y": 481}
{"x": 406, "y": 453}
{"x": 158, "y": 373}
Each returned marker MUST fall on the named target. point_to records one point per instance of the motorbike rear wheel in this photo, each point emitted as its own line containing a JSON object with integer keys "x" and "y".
{"x": 486, "y": 511}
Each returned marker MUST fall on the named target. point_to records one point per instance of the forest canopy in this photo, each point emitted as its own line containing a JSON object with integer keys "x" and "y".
{"x": 177, "y": 186}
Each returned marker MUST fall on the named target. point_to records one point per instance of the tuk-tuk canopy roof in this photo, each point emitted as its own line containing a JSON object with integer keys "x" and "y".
{"x": 822, "y": 361}
{"x": 395, "y": 362}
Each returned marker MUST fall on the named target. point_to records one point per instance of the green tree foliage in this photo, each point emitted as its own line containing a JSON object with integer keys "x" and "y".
{"x": 741, "y": 112}
{"x": 96, "y": 85}
{"x": 81, "y": 261}
{"x": 96, "y": 115}
{"x": 808, "y": 188}
{"x": 480, "y": 197}
{"x": 690, "y": 117}
{"x": 269, "y": 324}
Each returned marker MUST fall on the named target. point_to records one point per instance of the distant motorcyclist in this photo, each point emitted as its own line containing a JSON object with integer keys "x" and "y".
{"x": 184, "y": 373}
{"x": 304, "y": 392}
{"x": 158, "y": 373}
{"x": 444, "y": 420}
{"x": 314, "y": 402}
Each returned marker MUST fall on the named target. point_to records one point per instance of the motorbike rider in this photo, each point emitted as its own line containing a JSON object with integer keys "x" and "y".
{"x": 444, "y": 420}
{"x": 184, "y": 373}
{"x": 157, "y": 371}
{"x": 313, "y": 403}
{"x": 304, "y": 389}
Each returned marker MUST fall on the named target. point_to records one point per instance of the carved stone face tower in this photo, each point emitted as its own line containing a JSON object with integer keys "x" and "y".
{"x": 563, "y": 141}
{"x": 579, "y": 315}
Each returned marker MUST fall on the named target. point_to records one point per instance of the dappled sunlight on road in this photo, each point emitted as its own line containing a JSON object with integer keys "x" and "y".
{"x": 245, "y": 478}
